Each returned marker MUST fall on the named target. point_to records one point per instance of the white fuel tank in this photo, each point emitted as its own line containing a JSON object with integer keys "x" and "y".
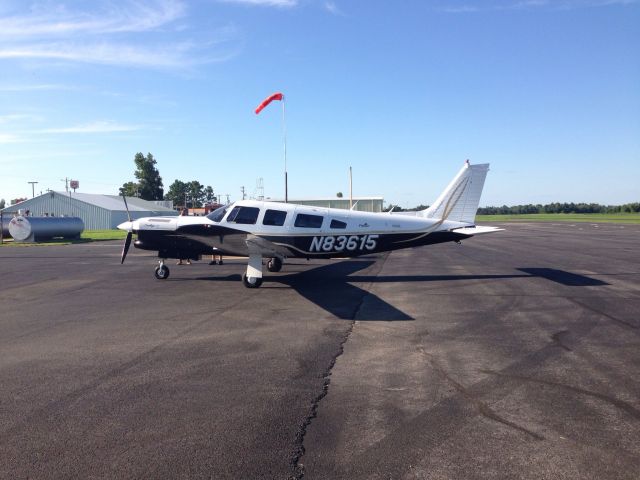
{"x": 30, "y": 229}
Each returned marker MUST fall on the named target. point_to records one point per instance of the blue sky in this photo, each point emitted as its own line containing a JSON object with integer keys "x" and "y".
{"x": 547, "y": 91}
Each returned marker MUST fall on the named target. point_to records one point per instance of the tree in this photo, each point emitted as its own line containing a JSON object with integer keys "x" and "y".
{"x": 209, "y": 197}
{"x": 176, "y": 193}
{"x": 195, "y": 194}
{"x": 190, "y": 194}
{"x": 149, "y": 185}
{"x": 339, "y": 194}
{"x": 418, "y": 208}
{"x": 2, "y": 203}
{"x": 394, "y": 208}
{"x": 129, "y": 189}
{"x": 148, "y": 177}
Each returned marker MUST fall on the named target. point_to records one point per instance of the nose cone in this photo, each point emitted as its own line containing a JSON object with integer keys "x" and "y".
{"x": 126, "y": 226}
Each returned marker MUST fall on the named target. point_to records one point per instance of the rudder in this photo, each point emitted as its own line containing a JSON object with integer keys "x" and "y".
{"x": 460, "y": 200}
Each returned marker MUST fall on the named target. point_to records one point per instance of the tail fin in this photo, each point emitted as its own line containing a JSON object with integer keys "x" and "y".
{"x": 459, "y": 201}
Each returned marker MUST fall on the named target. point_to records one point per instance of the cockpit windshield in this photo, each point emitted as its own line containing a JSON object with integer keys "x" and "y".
{"x": 218, "y": 214}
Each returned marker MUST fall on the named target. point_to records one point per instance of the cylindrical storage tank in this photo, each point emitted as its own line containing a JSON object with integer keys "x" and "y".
{"x": 42, "y": 228}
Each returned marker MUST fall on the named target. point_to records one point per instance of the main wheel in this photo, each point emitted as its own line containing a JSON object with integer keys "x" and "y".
{"x": 274, "y": 264}
{"x": 162, "y": 273}
{"x": 251, "y": 282}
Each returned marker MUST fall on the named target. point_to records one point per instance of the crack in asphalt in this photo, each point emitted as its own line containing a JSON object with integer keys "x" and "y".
{"x": 299, "y": 450}
{"x": 296, "y": 464}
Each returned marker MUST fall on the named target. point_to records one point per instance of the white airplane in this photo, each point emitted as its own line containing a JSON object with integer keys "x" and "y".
{"x": 277, "y": 231}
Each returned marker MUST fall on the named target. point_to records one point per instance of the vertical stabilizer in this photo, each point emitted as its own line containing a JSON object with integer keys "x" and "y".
{"x": 459, "y": 201}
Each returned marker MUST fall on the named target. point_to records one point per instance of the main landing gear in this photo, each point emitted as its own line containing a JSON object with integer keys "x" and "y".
{"x": 274, "y": 264}
{"x": 162, "y": 271}
{"x": 251, "y": 282}
{"x": 253, "y": 276}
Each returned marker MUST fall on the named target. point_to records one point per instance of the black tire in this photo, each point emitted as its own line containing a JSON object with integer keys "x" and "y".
{"x": 251, "y": 282}
{"x": 274, "y": 265}
{"x": 162, "y": 273}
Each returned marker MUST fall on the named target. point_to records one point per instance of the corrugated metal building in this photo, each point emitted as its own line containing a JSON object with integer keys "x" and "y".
{"x": 98, "y": 212}
{"x": 362, "y": 204}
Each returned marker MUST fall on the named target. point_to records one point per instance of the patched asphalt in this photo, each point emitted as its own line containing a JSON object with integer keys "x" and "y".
{"x": 513, "y": 355}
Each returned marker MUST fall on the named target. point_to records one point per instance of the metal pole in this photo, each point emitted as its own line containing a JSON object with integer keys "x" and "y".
{"x": 350, "y": 189}
{"x": 33, "y": 189}
{"x": 284, "y": 137}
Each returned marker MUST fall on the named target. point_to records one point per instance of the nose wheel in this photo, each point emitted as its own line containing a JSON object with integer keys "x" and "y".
{"x": 162, "y": 271}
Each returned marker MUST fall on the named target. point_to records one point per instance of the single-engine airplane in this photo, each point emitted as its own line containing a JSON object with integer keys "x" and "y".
{"x": 277, "y": 231}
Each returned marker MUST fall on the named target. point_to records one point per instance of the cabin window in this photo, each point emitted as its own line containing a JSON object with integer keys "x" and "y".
{"x": 244, "y": 215}
{"x": 338, "y": 224}
{"x": 274, "y": 217}
{"x": 218, "y": 214}
{"x": 308, "y": 221}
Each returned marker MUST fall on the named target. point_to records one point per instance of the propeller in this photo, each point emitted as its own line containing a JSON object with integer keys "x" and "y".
{"x": 127, "y": 241}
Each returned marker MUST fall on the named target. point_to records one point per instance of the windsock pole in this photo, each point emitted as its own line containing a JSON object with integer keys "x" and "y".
{"x": 279, "y": 96}
{"x": 284, "y": 139}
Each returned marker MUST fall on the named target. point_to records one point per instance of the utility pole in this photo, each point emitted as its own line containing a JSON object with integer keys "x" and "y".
{"x": 33, "y": 189}
{"x": 66, "y": 183}
{"x": 242, "y": 190}
{"x": 227, "y": 195}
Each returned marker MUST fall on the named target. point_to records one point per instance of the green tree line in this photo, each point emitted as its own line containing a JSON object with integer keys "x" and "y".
{"x": 557, "y": 207}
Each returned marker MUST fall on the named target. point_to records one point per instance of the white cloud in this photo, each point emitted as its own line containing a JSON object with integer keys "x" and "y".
{"x": 457, "y": 7}
{"x": 37, "y": 135}
{"x": 106, "y": 53}
{"x": 93, "y": 127}
{"x": 18, "y": 117}
{"x": 8, "y": 138}
{"x": 332, "y": 8}
{"x": 133, "y": 33}
{"x": 30, "y": 88}
{"x": 265, "y": 3}
{"x": 130, "y": 17}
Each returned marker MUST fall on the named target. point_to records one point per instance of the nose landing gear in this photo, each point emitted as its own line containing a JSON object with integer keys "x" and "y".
{"x": 162, "y": 271}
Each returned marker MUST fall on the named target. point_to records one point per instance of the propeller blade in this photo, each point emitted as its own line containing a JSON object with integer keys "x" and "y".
{"x": 125, "y": 248}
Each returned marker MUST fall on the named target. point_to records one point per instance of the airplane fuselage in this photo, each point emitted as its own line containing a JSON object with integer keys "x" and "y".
{"x": 258, "y": 230}
{"x": 288, "y": 231}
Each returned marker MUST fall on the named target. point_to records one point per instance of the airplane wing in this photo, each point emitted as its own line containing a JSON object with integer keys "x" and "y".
{"x": 259, "y": 245}
{"x": 476, "y": 230}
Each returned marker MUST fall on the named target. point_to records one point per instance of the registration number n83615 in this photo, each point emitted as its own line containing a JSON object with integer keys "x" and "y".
{"x": 343, "y": 242}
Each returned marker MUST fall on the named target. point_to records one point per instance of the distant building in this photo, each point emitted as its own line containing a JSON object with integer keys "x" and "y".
{"x": 361, "y": 204}
{"x": 98, "y": 212}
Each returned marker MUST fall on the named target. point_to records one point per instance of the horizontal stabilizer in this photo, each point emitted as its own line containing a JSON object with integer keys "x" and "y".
{"x": 477, "y": 230}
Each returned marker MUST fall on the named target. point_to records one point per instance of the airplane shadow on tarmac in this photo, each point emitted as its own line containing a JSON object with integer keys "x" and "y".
{"x": 332, "y": 288}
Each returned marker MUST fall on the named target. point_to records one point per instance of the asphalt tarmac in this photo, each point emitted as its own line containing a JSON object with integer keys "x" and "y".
{"x": 513, "y": 355}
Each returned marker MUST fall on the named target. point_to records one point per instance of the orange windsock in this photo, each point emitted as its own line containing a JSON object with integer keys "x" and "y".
{"x": 268, "y": 100}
